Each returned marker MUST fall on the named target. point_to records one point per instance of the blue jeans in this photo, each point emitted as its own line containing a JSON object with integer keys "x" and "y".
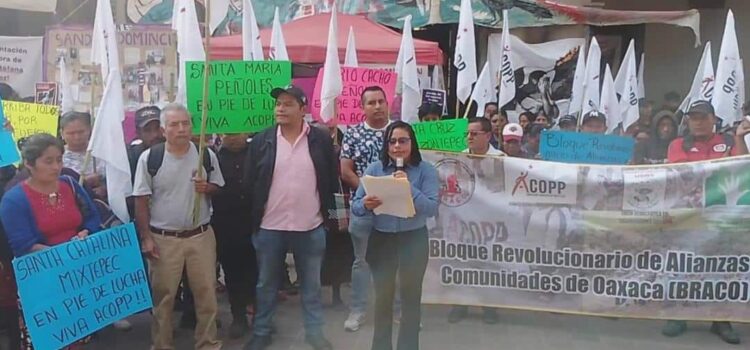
{"x": 308, "y": 249}
{"x": 359, "y": 229}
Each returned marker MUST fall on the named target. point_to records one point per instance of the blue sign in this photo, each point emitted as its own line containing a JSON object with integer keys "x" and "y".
{"x": 74, "y": 289}
{"x": 8, "y": 150}
{"x": 585, "y": 148}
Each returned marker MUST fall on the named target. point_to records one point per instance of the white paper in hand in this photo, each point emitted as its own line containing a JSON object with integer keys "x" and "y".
{"x": 395, "y": 194}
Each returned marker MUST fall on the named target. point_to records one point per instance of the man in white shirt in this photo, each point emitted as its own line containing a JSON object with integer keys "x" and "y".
{"x": 478, "y": 136}
{"x": 170, "y": 237}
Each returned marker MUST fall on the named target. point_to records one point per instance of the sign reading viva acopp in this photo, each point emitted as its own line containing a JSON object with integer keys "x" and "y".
{"x": 540, "y": 182}
{"x": 356, "y": 80}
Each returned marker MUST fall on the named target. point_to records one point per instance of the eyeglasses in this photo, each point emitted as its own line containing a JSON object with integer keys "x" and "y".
{"x": 475, "y": 133}
{"x": 400, "y": 141}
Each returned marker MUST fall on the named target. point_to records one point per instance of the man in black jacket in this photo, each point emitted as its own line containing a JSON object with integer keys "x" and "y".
{"x": 291, "y": 172}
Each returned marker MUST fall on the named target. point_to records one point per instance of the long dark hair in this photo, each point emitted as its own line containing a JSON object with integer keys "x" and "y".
{"x": 414, "y": 158}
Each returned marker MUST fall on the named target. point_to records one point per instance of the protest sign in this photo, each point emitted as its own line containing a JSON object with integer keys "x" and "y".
{"x": 434, "y": 96}
{"x": 31, "y": 118}
{"x": 356, "y": 80}
{"x": 627, "y": 241}
{"x": 46, "y": 93}
{"x": 21, "y": 63}
{"x": 8, "y": 150}
{"x": 585, "y": 148}
{"x": 148, "y": 62}
{"x": 73, "y": 289}
{"x": 445, "y": 135}
{"x": 239, "y": 94}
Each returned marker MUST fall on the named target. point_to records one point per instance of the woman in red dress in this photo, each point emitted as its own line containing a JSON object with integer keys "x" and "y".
{"x": 47, "y": 209}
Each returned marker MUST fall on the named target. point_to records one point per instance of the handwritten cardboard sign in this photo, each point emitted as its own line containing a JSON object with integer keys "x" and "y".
{"x": 355, "y": 80}
{"x": 445, "y": 135}
{"x": 74, "y": 289}
{"x": 585, "y": 148}
{"x": 8, "y": 150}
{"x": 31, "y": 118}
{"x": 239, "y": 97}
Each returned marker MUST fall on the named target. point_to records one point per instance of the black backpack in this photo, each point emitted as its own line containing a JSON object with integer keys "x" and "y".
{"x": 156, "y": 158}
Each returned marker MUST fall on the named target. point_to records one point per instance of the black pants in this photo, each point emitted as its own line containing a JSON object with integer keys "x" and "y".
{"x": 237, "y": 257}
{"x": 387, "y": 253}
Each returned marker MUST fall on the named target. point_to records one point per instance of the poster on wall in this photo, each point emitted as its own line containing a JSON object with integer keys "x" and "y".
{"x": 148, "y": 59}
{"x": 21, "y": 63}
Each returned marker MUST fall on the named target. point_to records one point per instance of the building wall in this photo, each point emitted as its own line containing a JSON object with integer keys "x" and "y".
{"x": 671, "y": 58}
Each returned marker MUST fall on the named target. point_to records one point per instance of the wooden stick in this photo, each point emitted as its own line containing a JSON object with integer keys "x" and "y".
{"x": 204, "y": 114}
{"x": 87, "y": 158}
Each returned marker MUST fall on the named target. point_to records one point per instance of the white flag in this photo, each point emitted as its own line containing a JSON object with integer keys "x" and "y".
{"x": 437, "y": 78}
{"x": 332, "y": 84}
{"x": 609, "y": 104}
{"x": 219, "y": 10}
{"x": 641, "y": 82}
{"x": 629, "y": 93}
{"x": 277, "y": 50}
{"x": 107, "y": 138}
{"x": 104, "y": 40}
{"x": 484, "y": 91}
{"x": 704, "y": 80}
{"x": 252, "y": 49}
{"x": 592, "y": 79}
{"x": 66, "y": 102}
{"x": 351, "y": 50}
{"x": 621, "y": 76}
{"x": 189, "y": 43}
{"x": 576, "y": 96}
{"x": 464, "y": 58}
{"x": 726, "y": 99}
{"x": 107, "y": 144}
{"x": 507, "y": 72}
{"x": 406, "y": 68}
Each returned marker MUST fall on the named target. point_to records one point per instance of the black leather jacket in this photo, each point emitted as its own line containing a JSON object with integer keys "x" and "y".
{"x": 260, "y": 163}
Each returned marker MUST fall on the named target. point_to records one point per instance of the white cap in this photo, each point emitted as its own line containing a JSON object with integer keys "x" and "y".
{"x": 512, "y": 131}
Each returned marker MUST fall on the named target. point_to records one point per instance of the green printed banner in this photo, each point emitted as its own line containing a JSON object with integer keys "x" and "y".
{"x": 665, "y": 242}
{"x": 445, "y": 135}
{"x": 239, "y": 97}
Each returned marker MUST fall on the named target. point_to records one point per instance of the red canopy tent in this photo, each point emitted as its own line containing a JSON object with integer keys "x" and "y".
{"x": 306, "y": 41}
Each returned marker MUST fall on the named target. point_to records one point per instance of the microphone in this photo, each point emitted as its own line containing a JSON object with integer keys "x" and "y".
{"x": 400, "y": 164}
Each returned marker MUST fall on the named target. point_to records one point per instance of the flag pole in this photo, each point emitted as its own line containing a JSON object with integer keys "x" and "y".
{"x": 204, "y": 113}
{"x": 87, "y": 158}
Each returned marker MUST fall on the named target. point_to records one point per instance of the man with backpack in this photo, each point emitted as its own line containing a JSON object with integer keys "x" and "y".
{"x": 173, "y": 240}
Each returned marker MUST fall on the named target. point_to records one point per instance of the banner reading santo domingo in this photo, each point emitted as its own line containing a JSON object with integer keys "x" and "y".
{"x": 669, "y": 242}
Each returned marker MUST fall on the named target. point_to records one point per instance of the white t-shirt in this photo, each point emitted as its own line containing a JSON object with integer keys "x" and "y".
{"x": 492, "y": 151}
{"x": 172, "y": 191}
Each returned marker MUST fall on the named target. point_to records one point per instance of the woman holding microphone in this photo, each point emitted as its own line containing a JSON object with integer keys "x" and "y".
{"x": 398, "y": 244}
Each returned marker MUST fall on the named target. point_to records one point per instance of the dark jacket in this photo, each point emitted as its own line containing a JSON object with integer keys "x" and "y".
{"x": 655, "y": 150}
{"x": 231, "y": 202}
{"x": 261, "y": 161}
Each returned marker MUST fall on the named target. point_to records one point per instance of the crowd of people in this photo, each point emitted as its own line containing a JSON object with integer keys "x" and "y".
{"x": 283, "y": 191}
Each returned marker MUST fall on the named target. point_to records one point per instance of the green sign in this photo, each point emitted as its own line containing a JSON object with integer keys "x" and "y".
{"x": 445, "y": 135}
{"x": 239, "y": 97}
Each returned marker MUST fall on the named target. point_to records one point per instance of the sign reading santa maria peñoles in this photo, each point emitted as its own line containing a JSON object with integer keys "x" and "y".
{"x": 239, "y": 97}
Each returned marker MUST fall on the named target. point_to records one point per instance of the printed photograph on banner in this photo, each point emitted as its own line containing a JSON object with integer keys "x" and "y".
{"x": 540, "y": 182}
{"x": 644, "y": 189}
{"x": 727, "y": 199}
{"x": 46, "y": 93}
{"x": 602, "y": 188}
